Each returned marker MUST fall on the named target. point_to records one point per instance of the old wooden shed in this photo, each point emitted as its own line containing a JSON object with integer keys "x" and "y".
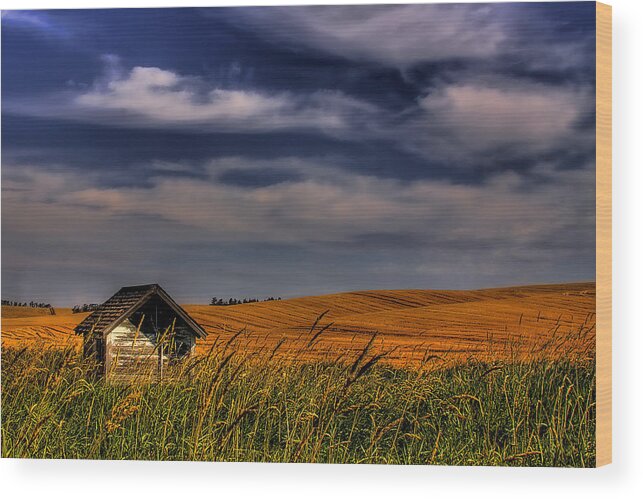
{"x": 138, "y": 332}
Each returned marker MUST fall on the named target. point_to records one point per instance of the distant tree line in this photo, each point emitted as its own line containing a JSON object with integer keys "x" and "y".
{"x": 85, "y": 307}
{"x": 32, "y": 304}
{"x": 221, "y": 302}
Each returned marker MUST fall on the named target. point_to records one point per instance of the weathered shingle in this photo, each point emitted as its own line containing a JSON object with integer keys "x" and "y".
{"x": 125, "y": 302}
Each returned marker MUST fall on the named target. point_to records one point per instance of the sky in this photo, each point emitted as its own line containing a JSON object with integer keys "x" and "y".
{"x": 288, "y": 151}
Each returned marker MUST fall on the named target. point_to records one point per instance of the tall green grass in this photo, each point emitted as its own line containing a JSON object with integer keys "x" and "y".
{"x": 230, "y": 407}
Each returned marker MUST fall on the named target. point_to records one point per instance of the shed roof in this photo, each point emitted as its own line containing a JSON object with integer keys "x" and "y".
{"x": 124, "y": 303}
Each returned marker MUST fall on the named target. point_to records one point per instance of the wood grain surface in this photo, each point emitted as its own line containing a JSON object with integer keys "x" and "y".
{"x": 603, "y": 234}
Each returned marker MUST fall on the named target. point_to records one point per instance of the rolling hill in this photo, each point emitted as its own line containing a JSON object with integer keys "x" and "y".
{"x": 415, "y": 325}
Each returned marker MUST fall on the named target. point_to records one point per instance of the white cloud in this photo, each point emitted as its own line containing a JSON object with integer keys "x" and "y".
{"x": 153, "y": 97}
{"x": 467, "y": 122}
{"x": 493, "y": 116}
{"x": 25, "y": 18}
{"x": 34, "y": 20}
{"x": 397, "y": 35}
{"x": 462, "y": 123}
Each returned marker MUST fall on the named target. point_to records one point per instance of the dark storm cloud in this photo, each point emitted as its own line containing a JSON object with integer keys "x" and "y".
{"x": 259, "y": 177}
{"x": 297, "y": 150}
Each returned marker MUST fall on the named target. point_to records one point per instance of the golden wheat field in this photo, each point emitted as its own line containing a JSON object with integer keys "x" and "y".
{"x": 413, "y": 326}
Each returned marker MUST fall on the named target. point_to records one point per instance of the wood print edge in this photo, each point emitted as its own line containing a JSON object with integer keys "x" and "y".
{"x": 603, "y": 234}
